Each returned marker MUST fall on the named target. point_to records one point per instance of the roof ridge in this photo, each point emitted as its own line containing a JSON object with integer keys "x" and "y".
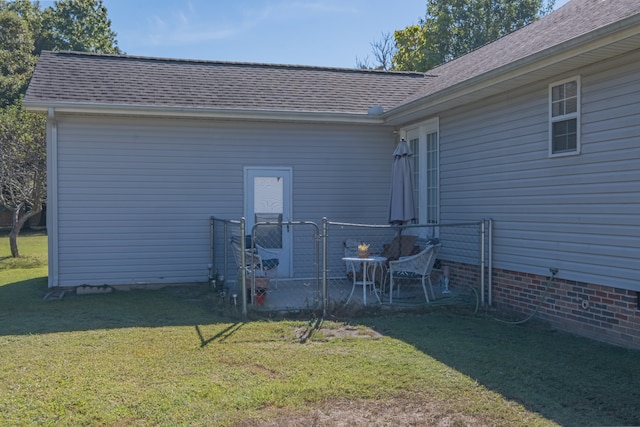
{"x": 236, "y": 63}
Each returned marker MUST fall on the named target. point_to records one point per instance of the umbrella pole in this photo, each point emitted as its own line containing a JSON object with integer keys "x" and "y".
{"x": 399, "y": 242}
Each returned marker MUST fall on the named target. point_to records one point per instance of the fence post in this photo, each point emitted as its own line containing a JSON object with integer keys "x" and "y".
{"x": 211, "y": 242}
{"x": 243, "y": 262}
{"x": 226, "y": 251}
{"x": 490, "y": 260}
{"x": 482, "y": 272}
{"x": 325, "y": 229}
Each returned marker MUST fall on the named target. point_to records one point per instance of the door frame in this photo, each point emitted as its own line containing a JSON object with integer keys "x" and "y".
{"x": 286, "y": 254}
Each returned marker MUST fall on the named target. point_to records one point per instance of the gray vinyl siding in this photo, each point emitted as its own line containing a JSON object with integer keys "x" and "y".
{"x": 135, "y": 194}
{"x": 578, "y": 213}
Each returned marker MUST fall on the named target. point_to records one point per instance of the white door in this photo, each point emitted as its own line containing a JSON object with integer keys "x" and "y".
{"x": 268, "y": 199}
{"x": 424, "y": 143}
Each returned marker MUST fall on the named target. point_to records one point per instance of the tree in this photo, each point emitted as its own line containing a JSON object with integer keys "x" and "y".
{"x": 28, "y": 11}
{"x": 79, "y": 25}
{"x": 23, "y": 167}
{"x": 383, "y": 51}
{"x": 411, "y": 53}
{"x": 455, "y": 27}
{"x": 26, "y": 30}
{"x": 16, "y": 57}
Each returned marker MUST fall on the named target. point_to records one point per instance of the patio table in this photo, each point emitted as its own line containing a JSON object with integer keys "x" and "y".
{"x": 375, "y": 261}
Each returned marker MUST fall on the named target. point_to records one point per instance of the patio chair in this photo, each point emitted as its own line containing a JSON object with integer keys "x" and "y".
{"x": 400, "y": 246}
{"x": 257, "y": 260}
{"x": 413, "y": 267}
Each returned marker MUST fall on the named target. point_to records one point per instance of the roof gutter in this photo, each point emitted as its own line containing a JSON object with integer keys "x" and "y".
{"x": 204, "y": 113}
{"x": 593, "y": 40}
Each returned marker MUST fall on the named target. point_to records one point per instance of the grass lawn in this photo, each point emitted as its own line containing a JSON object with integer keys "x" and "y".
{"x": 172, "y": 357}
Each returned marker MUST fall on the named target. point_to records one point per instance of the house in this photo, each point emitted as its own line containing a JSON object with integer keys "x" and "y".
{"x": 538, "y": 131}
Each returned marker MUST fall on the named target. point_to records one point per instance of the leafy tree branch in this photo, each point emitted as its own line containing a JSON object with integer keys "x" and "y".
{"x": 25, "y": 31}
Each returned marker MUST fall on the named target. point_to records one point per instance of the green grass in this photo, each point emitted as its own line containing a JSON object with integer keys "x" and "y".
{"x": 33, "y": 263}
{"x": 172, "y": 357}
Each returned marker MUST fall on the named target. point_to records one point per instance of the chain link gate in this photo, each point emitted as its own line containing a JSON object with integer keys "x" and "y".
{"x": 274, "y": 266}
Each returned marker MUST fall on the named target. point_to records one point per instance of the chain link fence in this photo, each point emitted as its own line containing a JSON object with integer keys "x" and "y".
{"x": 453, "y": 278}
{"x": 345, "y": 267}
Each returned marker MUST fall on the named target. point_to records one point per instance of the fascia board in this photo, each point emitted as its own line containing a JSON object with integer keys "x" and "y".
{"x": 203, "y": 113}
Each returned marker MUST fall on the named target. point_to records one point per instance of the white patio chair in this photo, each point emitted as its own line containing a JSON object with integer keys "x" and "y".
{"x": 257, "y": 260}
{"x": 413, "y": 267}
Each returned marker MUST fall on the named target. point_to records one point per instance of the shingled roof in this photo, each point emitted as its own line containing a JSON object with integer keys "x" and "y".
{"x": 573, "y": 21}
{"x": 120, "y": 80}
{"x": 557, "y": 43}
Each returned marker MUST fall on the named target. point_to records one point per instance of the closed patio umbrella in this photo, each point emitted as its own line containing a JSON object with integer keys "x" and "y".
{"x": 401, "y": 204}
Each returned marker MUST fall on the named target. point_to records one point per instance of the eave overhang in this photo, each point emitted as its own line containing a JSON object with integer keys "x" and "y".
{"x": 598, "y": 45}
{"x": 204, "y": 113}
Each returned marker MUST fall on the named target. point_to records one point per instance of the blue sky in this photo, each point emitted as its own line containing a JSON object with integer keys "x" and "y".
{"x": 331, "y": 33}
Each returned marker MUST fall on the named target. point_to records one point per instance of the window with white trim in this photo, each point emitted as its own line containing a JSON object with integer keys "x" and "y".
{"x": 424, "y": 143}
{"x": 564, "y": 117}
{"x": 433, "y": 181}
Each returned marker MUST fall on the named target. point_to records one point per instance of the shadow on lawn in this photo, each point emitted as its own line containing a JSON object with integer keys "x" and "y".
{"x": 572, "y": 381}
{"x": 220, "y": 336}
{"x": 567, "y": 379}
{"x": 23, "y": 309}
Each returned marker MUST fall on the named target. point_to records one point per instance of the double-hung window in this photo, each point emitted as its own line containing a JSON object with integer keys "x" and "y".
{"x": 564, "y": 117}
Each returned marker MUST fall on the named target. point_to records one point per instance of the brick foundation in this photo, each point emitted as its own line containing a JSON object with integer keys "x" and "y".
{"x": 598, "y": 312}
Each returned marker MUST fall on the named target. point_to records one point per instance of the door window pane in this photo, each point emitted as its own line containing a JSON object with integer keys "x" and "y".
{"x": 268, "y": 206}
{"x": 414, "y": 145}
{"x": 433, "y": 205}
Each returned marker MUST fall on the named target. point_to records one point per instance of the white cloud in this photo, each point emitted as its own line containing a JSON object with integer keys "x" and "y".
{"x": 188, "y": 26}
{"x": 294, "y": 10}
{"x": 204, "y": 28}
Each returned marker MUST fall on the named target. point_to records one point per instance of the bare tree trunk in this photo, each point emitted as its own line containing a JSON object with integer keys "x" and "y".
{"x": 16, "y": 225}
{"x": 13, "y": 243}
